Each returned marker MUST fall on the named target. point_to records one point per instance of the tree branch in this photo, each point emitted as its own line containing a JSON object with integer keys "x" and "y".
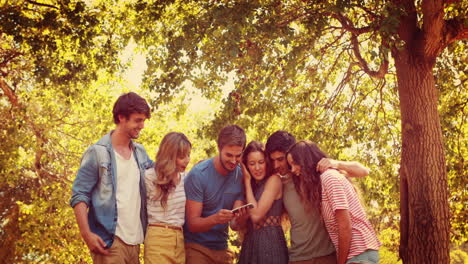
{"x": 383, "y": 69}
{"x": 454, "y": 30}
{"x": 332, "y": 100}
{"x": 368, "y": 11}
{"x": 293, "y": 16}
{"x": 324, "y": 48}
{"x": 41, "y": 4}
{"x": 38, "y": 132}
{"x": 6, "y": 57}
{"x": 407, "y": 27}
{"x": 438, "y": 32}
{"x": 347, "y": 24}
{"x": 8, "y": 91}
{"x": 433, "y": 26}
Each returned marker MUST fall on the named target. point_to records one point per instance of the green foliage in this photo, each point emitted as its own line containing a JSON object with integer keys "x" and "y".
{"x": 51, "y": 53}
{"x": 48, "y": 147}
{"x": 458, "y": 256}
{"x": 390, "y": 238}
{"x": 451, "y": 75}
{"x": 295, "y": 69}
{"x": 234, "y": 243}
{"x": 388, "y": 257}
{"x": 59, "y": 43}
{"x": 288, "y": 63}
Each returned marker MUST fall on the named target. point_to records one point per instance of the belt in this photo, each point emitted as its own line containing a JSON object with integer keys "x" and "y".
{"x": 167, "y": 226}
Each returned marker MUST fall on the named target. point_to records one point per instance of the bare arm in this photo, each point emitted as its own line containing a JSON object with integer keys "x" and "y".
{"x": 352, "y": 168}
{"x": 93, "y": 241}
{"x": 273, "y": 189}
{"x": 198, "y": 224}
{"x": 344, "y": 234}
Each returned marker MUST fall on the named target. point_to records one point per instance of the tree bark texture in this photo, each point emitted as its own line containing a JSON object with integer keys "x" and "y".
{"x": 423, "y": 178}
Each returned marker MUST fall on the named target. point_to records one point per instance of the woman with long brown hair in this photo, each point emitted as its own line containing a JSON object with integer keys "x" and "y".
{"x": 164, "y": 242}
{"x": 264, "y": 241}
{"x": 345, "y": 218}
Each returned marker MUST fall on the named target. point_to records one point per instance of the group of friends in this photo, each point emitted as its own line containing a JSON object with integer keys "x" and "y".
{"x": 122, "y": 199}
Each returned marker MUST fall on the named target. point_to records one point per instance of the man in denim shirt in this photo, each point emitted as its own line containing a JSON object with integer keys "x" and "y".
{"x": 108, "y": 194}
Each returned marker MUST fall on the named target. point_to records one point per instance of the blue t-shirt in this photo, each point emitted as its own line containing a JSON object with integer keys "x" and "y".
{"x": 204, "y": 184}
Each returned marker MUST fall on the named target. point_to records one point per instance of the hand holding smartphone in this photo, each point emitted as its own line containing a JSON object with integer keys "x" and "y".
{"x": 248, "y": 206}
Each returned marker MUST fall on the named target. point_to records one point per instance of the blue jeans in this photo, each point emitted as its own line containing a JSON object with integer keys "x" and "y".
{"x": 369, "y": 256}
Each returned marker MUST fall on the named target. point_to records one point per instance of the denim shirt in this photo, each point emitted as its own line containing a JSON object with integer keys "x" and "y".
{"x": 95, "y": 185}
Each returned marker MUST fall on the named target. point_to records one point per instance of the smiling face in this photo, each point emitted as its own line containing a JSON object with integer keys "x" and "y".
{"x": 173, "y": 156}
{"x": 182, "y": 162}
{"x": 256, "y": 164}
{"x": 279, "y": 162}
{"x": 230, "y": 156}
{"x": 295, "y": 168}
{"x": 132, "y": 125}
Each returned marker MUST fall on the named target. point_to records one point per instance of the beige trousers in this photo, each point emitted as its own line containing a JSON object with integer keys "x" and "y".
{"x": 198, "y": 254}
{"x": 164, "y": 245}
{"x": 120, "y": 253}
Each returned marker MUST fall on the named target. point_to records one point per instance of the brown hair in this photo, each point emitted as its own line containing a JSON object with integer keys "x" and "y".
{"x": 308, "y": 185}
{"x": 232, "y": 135}
{"x": 128, "y": 104}
{"x": 255, "y": 146}
{"x": 279, "y": 141}
{"x": 172, "y": 146}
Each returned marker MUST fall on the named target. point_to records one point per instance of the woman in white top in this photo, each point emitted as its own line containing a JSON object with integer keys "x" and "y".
{"x": 164, "y": 242}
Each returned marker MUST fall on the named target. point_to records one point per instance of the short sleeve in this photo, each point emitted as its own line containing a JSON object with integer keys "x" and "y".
{"x": 333, "y": 188}
{"x": 193, "y": 186}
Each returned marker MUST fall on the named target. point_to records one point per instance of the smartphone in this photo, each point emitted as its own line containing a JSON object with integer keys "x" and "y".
{"x": 248, "y": 206}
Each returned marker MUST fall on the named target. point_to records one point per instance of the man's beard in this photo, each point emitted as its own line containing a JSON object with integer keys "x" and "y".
{"x": 224, "y": 166}
{"x": 133, "y": 135}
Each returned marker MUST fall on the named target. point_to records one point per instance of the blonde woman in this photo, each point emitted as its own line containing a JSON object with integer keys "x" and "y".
{"x": 164, "y": 242}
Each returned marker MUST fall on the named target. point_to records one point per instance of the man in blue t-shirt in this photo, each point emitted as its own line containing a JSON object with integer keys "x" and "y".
{"x": 213, "y": 187}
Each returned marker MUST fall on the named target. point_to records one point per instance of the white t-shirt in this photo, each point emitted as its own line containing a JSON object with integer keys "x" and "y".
{"x": 129, "y": 227}
{"x": 175, "y": 207}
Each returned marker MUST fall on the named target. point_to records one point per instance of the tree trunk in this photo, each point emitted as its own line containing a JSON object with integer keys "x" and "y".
{"x": 423, "y": 179}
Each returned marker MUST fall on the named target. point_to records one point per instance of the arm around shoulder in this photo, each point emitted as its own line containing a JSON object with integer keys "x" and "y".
{"x": 147, "y": 160}
{"x": 353, "y": 168}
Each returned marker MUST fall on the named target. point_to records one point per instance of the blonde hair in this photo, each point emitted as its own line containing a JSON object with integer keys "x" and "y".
{"x": 173, "y": 146}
